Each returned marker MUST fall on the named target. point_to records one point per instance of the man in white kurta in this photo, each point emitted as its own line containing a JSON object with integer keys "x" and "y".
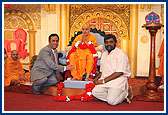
{"x": 112, "y": 82}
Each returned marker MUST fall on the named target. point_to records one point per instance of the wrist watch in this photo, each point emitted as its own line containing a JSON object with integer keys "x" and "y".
{"x": 103, "y": 81}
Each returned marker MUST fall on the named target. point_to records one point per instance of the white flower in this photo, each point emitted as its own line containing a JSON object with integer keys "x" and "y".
{"x": 67, "y": 98}
{"x": 90, "y": 42}
{"x": 77, "y": 44}
{"x": 89, "y": 93}
{"x": 93, "y": 74}
{"x": 69, "y": 78}
{"x": 95, "y": 55}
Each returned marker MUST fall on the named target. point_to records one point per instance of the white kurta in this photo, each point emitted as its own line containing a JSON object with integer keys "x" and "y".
{"x": 116, "y": 61}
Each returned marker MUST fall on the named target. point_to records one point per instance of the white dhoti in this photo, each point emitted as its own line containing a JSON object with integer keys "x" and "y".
{"x": 112, "y": 96}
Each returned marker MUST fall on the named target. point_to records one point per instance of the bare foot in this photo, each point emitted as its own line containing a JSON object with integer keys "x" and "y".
{"x": 87, "y": 79}
{"x": 74, "y": 78}
{"x": 126, "y": 100}
{"x": 130, "y": 93}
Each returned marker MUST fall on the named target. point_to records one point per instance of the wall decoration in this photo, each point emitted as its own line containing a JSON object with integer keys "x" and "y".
{"x": 144, "y": 39}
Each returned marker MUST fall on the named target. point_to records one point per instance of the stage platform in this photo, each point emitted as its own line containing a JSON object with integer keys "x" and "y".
{"x": 138, "y": 87}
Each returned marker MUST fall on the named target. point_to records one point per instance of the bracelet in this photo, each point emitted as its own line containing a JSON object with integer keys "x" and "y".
{"x": 103, "y": 81}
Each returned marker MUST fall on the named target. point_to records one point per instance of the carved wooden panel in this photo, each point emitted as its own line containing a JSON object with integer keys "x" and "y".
{"x": 20, "y": 14}
{"x": 107, "y": 26}
{"x": 110, "y": 18}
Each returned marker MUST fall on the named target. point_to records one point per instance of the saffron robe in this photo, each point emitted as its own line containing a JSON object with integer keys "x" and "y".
{"x": 82, "y": 59}
{"x": 161, "y": 66}
{"x": 13, "y": 71}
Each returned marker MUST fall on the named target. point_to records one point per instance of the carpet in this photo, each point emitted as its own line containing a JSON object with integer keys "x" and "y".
{"x": 21, "y": 98}
{"x": 30, "y": 102}
{"x": 26, "y": 89}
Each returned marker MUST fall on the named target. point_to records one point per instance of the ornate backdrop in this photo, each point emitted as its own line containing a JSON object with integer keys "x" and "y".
{"x": 110, "y": 18}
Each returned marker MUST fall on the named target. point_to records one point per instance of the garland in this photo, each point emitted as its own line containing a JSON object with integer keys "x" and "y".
{"x": 87, "y": 96}
{"x": 83, "y": 46}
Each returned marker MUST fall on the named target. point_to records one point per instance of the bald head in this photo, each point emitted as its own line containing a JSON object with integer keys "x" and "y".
{"x": 14, "y": 55}
{"x": 86, "y": 29}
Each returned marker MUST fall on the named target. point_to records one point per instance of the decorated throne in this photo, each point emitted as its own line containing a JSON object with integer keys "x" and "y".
{"x": 62, "y": 55}
{"x": 100, "y": 49}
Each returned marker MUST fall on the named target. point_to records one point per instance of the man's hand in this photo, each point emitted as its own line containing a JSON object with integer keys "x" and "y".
{"x": 88, "y": 79}
{"x": 83, "y": 39}
{"x": 98, "y": 82}
{"x": 70, "y": 67}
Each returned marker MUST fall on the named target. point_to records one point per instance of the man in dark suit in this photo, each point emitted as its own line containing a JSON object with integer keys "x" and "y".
{"x": 45, "y": 70}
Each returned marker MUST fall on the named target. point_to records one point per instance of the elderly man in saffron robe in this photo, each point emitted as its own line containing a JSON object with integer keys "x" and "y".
{"x": 82, "y": 59}
{"x": 14, "y": 73}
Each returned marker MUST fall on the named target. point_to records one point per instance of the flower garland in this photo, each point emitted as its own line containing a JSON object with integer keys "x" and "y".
{"x": 83, "y": 46}
{"x": 87, "y": 96}
{"x": 33, "y": 59}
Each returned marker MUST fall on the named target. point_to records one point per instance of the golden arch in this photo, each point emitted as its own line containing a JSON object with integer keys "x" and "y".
{"x": 103, "y": 13}
{"x": 19, "y": 14}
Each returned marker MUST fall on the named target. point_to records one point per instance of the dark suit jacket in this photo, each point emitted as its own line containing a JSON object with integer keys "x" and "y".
{"x": 45, "y": 65}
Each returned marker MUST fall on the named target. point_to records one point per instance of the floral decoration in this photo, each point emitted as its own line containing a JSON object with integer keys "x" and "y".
{"x": 33, "y": 59}
{"x": 87, "y": 96}
{"x": 8, "y": 5}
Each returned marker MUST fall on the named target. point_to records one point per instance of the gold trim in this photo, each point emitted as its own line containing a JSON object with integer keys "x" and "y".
{"x": 144, "y": 39}
{"x": 25, "y": 63}
{"x": 31, "y": 43}
{"x": 19, "y": 14}
{"x": 125, "y": 45}
{"x": 60, "y": 27}
{"x": 112, "y": 16}
{"x": 67, "y": 23}
{"x": 50, "y": 8}
{"x": 133, "y": 39}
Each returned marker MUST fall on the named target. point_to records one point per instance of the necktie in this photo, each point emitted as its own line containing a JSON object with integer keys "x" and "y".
{"x": 56, "y": 61}
{"x": 55, "y": 57}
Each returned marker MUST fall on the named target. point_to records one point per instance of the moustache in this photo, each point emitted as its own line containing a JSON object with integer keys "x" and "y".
{"x": 15, "y": 58}
{"x": 109, "y": 46}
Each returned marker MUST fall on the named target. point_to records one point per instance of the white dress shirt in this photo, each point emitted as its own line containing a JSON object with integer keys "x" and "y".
{"x": 116, "y": 61}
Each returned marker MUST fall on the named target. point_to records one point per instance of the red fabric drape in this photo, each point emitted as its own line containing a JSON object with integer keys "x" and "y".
{"x": 8, "y": 5}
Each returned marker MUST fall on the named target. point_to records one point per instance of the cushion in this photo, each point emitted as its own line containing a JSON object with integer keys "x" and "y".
{"x": 100, "y": 39}
{"x": 63, "y": 53}
{"x": 75, "y": 84}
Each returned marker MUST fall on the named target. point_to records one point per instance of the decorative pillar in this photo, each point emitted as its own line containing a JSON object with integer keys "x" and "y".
{"x": 152, "y": 85}
{"x": 125, "y": 45}
{"x": 31, "y": 43}
{"x": 133, "y": 39}
{"x": 64, "y": 26}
